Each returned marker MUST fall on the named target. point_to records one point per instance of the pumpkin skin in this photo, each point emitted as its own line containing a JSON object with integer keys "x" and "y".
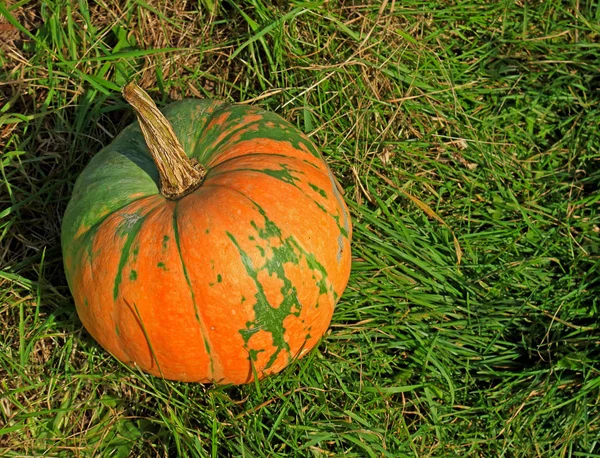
{"x": 229, "y": 282}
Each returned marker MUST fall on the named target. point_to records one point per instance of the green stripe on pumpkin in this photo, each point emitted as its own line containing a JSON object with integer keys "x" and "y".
{"x": 270, "y": 126}
{"x": 129, "y": 228}
{"x": 318, "y": 190}
{"x": 189, "y": 283}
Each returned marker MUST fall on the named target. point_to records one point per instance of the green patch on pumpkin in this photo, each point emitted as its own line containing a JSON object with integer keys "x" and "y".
{"x": 284, "y": 174}
{"x": 318, "y": 190}
{"x": 266, "y": 317}
{"x": 253, "y": 354}
{"x": 287, "y": 251}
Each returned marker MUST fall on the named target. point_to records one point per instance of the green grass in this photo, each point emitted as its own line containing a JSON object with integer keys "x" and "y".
{"x": 466, "y": 137}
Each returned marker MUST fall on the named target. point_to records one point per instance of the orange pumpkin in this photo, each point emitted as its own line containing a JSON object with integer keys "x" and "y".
{"x": 208, "y": 243}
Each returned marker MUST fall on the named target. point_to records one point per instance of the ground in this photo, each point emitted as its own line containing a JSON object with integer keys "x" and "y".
{"x": 465, "y": 136}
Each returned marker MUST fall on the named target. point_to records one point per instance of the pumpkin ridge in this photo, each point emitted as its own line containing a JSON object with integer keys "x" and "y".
{"x": 270, "y": 125}
{"x": 236, "y": 124}
{"x": 227, "y": 139}
{"x": 292, "y": 181}
{"x": 131, "y": 235}
{"x": 281, "y": 175}
{"x": 265, "y": 146}
{"x": 81, "y": 234}
{"x": 204, "y": 331}
{"x": 226, "y": 161}
{"x": 214, "y": 107}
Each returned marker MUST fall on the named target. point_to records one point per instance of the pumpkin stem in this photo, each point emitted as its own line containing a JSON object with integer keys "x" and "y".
{"x": 178, "y": 174}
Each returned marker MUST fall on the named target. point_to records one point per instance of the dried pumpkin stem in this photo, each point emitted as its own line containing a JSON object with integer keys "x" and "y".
{"x": 178, "y": 174}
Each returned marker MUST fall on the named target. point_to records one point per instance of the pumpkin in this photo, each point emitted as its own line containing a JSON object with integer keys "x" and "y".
{"x": 207, "y": 243}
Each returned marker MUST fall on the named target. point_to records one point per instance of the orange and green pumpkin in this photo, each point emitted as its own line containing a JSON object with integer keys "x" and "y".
{"x": 209, "y": 248}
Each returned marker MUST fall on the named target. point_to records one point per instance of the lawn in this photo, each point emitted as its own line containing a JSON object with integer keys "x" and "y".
{"x": 466, "y": 137}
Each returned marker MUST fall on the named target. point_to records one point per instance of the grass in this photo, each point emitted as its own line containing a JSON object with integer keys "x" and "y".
{"x": 466, "y": 138}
